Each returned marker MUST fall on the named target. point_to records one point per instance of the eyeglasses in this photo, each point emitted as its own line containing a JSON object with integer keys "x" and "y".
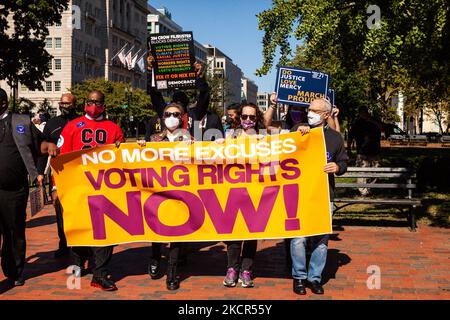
{"x": 96, "y": 102}
{"x": 252, "y": 117}
{"x": 175, "y": 114}
{"x": 65, "y": 104}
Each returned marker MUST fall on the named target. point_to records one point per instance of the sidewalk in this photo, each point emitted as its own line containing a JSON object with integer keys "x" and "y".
{"x": 412, "y": 265}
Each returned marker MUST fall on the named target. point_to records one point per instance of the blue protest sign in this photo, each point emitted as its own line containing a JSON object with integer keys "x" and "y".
{"x": 330, "y": 95}
{"x": 300, "y": 86}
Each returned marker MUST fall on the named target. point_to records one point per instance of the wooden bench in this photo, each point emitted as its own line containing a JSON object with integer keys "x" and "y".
{"x": 445, "y": 140}
{"x": 398, "y": 139}
{"x": 386, "y": 179}
{"x": 418, "y": 140}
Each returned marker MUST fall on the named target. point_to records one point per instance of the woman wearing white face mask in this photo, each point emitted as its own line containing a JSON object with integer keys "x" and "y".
{"x": 173, "y": 120}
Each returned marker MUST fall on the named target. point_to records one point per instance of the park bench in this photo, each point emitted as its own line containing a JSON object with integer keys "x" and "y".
{"x": 398, "y": 139}
{"x": 445, "y": 140}
{"x": 418, "y": 140}
{"x": 388, "y": 179}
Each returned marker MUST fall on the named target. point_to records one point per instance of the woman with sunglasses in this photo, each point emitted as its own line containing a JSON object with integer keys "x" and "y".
{"x": 173, "y": 122}
{"x": 242, "y": 253}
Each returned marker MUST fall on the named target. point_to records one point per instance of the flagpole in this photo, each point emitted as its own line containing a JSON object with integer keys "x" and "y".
{"x": 130, "y": 50}
{"x": 119, "y": 52}
{"x": 143, "y": 55}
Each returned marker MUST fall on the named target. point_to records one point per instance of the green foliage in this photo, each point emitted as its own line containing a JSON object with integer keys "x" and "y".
{"x": 44, "y": 107}
{"x": 220, "y": 92}
{"x": 116, "y": 98}
{"x": 23, "y": 105}
{"x": 23, "y": 58}
{"x": 407, "y": 52}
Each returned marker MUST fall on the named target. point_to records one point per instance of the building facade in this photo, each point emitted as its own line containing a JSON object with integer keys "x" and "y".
{"x": 263, "y": 100}
{"x": 249, "y": 90}
{"x": 90, "y": 34}
{"x": 222, "y": 65}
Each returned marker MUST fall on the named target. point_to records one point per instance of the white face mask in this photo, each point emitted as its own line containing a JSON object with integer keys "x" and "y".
{"x": 314, "y": 119}
{"x": 172, "y": 123}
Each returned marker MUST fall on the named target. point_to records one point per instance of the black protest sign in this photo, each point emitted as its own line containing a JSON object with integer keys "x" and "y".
{"x": 174, "y": 60}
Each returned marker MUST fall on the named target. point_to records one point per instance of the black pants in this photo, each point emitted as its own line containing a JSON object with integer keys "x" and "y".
{"x": 174, "y": 252}
{"x": 13, "y": 205}
{"x": 156, "y": 250}
{"x": 177, "y": 250}
{"x": 101, "y": 255}
{"x": 60, "y": 224}
{"x": 248, "y": 254}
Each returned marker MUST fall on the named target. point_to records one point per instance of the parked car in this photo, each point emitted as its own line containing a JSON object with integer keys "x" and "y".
{"x": 390, "y": 129}
{"x": 433, "y": 137}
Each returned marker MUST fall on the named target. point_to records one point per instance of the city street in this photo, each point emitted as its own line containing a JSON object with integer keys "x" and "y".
{"x": 412, "y": 266}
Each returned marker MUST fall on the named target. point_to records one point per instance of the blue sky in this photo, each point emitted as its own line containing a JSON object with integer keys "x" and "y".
{"x": 230, "y": 25}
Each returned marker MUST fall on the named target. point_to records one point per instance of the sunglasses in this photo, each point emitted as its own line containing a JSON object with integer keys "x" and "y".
{"x": 252, "y": 117}
{"x": 65, "y": 104}
{"x": 175, "y": 114}
{"x": 96, "y": 102}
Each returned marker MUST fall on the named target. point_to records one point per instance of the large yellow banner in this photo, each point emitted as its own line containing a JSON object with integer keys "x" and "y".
{"x": 259, "y": 187}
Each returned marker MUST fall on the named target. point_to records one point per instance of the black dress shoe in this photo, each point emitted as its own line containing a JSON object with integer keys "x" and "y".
{"x": 316, "y": 287}
{"x": 104, "y": 283}
{"x": 299, "y": 286}
{"x": 20, "y": 281}
{"x": 61, "y": 252}
{"x": 172, "y": 281}
{"x": 154, "y": 269}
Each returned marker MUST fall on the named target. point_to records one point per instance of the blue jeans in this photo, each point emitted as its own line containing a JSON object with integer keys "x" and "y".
{"x": 319, "y": 247}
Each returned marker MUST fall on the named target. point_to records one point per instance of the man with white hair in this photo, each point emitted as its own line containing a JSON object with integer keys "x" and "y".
{"x": 304, "y": 276}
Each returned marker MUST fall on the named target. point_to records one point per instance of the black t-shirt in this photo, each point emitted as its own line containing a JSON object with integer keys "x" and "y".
{"x": 13, "y": 173}
{"x": 210, "y": 121}
{"x": 367, "y": 135}
{"x": 335, "y": 151}
{"x": 153, "y": 126}
{"x": 54, "y": 127}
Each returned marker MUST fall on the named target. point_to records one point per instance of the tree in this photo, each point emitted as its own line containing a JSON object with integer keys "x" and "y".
{"x": 407, "y": 49}
{"x": 23, "y": 105}
{"x": 23, "y": 58}
{"x": 220, "y": 92}
{"x": 45, "y": 107}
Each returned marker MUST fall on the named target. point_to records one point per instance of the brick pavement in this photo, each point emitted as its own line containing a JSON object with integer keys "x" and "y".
{"x": 413, "y": 266}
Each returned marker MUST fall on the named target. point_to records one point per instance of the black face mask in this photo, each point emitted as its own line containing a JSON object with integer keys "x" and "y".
{"x": 229, "y": 120}
{"x": 67, "y": 112}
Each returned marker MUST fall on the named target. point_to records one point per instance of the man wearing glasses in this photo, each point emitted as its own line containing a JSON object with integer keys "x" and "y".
{"x": 310, "y": 275}
{"x": 52, "y": 132}
{"x": 85, "y": 132}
